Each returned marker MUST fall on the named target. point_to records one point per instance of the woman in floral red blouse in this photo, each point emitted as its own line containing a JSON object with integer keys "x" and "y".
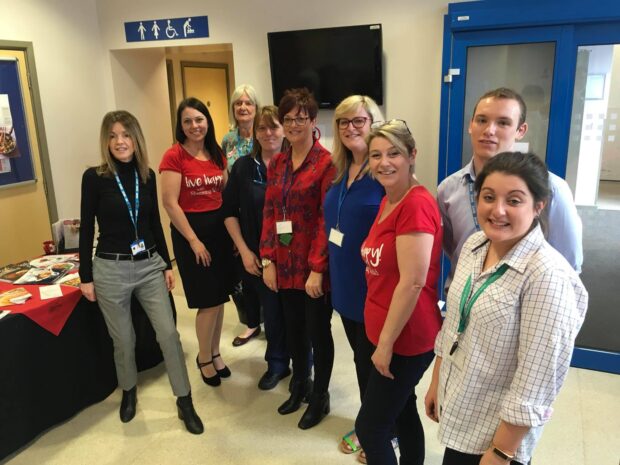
{"x": 294, "y": 251}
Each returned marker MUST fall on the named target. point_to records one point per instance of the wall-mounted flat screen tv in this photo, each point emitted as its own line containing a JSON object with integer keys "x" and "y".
{"x": 333, "y": 62}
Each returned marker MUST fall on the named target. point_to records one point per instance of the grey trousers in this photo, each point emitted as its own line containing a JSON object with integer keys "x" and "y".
{"x": 115, "y": 281}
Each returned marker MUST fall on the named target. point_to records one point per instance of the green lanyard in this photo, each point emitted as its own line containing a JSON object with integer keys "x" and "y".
{"x": 467, "y": 302}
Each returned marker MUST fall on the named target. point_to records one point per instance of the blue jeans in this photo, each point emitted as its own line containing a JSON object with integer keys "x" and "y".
{"x": 392, "y": 402}
{"x": 276, "y": 355}
{"x": 453, "y": 457}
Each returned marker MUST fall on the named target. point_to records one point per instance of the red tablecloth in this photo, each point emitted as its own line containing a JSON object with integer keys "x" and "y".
{"x": 51, "y": 314}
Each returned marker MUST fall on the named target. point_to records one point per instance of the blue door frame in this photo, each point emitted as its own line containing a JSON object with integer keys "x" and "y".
{"x": 568, "y": 23}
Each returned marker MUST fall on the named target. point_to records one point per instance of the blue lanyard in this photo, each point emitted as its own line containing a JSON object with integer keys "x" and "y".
{"x": 472, "y": 203}
{"x": 260, "y": 181}
{"x": 344, "y": 190}
{"x": 133, "y": 216}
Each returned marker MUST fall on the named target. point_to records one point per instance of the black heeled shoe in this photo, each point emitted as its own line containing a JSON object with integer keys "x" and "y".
{"x": 128, "y": 404}
{"x": 210, "y": 380}
{"x": 187, "y": 413}
{"x": 299, "y": 390}
{"x": 224, "y": 372}
{"x": 317, "y": 409}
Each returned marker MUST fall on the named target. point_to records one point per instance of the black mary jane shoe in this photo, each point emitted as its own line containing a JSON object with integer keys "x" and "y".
{"x": 299, "y": 390}
{"x": 214, "y": 380}
{"x": 224, "y": 372}
{"x": 128, "y": 405}
{"x": 269, "y": 380}
{"x": 317, "y": 409}
{"x": 187, "y": 413}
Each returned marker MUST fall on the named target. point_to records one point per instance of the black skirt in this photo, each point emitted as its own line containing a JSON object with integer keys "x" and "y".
{"x": 205, "y": 286}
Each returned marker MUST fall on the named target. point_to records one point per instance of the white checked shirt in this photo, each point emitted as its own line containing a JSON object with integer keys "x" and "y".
{"x": 517, "y": 346}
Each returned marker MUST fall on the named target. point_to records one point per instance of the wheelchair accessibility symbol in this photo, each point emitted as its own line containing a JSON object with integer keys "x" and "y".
{"x": 171, "y": 32}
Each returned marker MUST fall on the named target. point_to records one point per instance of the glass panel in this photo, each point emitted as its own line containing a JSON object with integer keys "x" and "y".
{"x": 593, "y": 173}
{"x": 525, "y": 68}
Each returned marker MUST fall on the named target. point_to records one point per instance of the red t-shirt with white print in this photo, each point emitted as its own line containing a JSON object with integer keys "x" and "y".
{"x": 202, "y": 182}
{"x": 417, "y": 212}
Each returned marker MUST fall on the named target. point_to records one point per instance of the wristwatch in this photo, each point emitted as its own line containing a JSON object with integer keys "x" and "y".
{"x": 500, "y": 453}
{"x": 265, "y": 262}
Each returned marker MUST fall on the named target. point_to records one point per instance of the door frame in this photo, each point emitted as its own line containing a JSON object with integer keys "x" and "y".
{"x": 41, "y": 139}
{"x": 570, "y": 24}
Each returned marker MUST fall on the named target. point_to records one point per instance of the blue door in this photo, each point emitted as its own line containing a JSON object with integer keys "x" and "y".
{"x": 566, "y": 64}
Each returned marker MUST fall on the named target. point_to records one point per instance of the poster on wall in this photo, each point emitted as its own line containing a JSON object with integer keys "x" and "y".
{"x": 16, "y": 165}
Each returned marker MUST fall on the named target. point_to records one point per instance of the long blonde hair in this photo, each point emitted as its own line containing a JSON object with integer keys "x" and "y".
{"x": 131, "y": 125}
{"x": 341, "y": 156}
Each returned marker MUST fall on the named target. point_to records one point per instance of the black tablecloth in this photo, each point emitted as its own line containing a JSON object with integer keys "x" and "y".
{"x": 46, "y": 379}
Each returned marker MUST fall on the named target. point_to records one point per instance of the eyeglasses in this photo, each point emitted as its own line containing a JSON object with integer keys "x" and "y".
{"x": 358, "y": 122}
{"x": 298, "y": 120}
{"x": 395, "y": 122}
{"x": 258, "y": 177}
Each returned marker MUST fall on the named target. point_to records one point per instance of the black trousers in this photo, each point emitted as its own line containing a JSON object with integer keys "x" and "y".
{"x": 308, "y": 322}
{"x": 392, "y": 402}
{"x": 453, "y": 457}
{"x": 362, "y": 351}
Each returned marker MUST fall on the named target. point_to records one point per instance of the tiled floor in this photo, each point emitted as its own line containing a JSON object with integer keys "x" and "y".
{"x": 243, "y": 427}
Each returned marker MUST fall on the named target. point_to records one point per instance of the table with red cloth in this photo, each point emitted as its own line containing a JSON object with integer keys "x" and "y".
{"x": 56, "y": 358}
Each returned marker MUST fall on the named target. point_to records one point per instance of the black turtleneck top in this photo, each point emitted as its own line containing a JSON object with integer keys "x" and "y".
{"x": 102, "y": 199}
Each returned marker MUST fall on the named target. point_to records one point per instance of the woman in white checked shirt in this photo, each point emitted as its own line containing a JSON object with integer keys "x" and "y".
{"x": 514, "y": 309}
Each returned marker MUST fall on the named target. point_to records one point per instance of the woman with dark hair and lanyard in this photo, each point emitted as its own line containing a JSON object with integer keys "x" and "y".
{"x": 244, "y": 198}
{"x": 514, "y": 309}
{"x": 294, "y": 251}
{"x": 194, "y": 174}
{"x": 131, "y": 258}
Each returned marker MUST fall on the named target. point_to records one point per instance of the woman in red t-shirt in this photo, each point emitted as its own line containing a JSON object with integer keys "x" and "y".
{"x": 193, "y": 175}
{"x": 402, "y": 255}
{"x": 293, "y": 249}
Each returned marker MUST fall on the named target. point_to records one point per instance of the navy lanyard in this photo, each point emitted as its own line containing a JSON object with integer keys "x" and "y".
{"x": 260, "y": 181}
{"x": 468, "y": 300}
{"x": 344, "y": 190}
{"x": 133, "y": 216}
{"x": 472, "y": 203}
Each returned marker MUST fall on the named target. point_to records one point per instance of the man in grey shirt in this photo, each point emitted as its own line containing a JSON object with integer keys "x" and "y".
{"x": 497, "y": 123}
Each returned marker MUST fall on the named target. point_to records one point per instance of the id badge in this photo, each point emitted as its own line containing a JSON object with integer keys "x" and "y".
{"x": 336, "y": 237}
{"x": 284, "y": 227}
{"x": 138, "y": 246}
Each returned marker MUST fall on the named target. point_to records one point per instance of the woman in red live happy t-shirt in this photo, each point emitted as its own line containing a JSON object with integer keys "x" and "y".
{"x": 193, "y": 175}
{"x": 402, "y": 256}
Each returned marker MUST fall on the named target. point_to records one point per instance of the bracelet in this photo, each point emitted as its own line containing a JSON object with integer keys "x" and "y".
{"x": 500, "y": 453}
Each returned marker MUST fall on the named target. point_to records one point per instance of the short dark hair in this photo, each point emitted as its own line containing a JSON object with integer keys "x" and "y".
{"x": 504, "y": 93}
{"x": 301, "y": 98}
{"x": 211, "y": 145}
{"x": 527, "y": 166}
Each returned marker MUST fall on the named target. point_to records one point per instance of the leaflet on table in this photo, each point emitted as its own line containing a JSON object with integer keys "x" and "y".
{"x": 12, "y": 273}
{"x": 14, "y": 297}
{"x": 72, "y": 279}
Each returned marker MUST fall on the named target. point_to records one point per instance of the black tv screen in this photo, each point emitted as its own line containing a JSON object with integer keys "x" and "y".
{"x": 333, "y": 63}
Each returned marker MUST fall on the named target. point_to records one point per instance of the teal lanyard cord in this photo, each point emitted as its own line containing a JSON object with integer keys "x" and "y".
{"x": 467, "y": 302}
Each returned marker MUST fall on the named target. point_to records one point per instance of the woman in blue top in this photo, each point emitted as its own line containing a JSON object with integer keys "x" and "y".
{"x": 350, "y": 208}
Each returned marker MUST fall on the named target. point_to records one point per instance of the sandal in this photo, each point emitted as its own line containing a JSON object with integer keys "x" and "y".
{"x": 361, "y": 458}
{"x": 349, "y": 444}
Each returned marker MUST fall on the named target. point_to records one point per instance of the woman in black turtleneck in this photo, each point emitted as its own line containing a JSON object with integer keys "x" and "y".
{"x": 131, "y": 258}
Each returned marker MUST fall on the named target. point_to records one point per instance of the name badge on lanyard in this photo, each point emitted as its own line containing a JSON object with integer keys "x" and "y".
{"x": 138, "y": 245}
{"x": 336, "y": 236}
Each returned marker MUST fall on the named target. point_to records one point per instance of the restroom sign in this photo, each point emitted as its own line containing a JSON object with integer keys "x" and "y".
{"x": 167, "y": 29}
